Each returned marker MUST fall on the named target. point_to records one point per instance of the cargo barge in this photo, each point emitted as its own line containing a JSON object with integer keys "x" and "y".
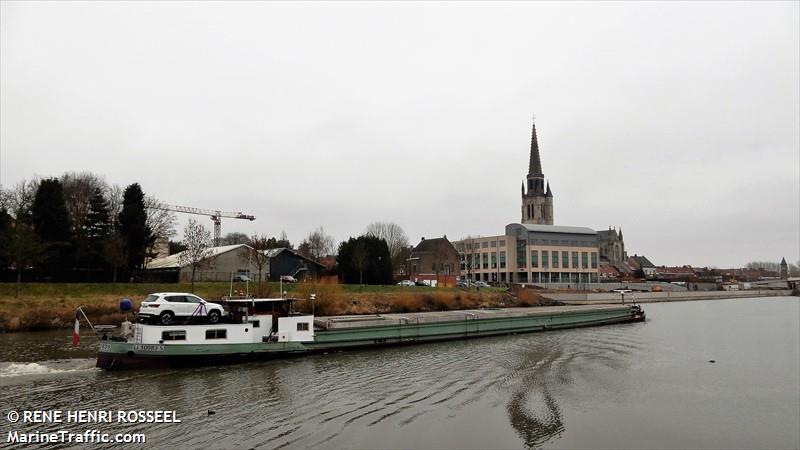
{"x": 257, "y": 329}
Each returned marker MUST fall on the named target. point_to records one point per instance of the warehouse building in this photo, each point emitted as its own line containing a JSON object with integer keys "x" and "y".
{"x": 286, "y": 261}
{"x": 229, "y": 261}
{"x": 222, "y": 264}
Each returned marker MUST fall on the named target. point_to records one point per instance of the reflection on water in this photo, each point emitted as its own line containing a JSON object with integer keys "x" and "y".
{"x": 532, "y": 410}
{"x": 572, "y": 388}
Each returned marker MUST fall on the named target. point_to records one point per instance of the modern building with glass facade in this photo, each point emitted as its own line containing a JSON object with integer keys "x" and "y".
{"x": 531, "y": 253}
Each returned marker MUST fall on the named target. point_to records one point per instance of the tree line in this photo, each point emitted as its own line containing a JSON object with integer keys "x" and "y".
{"x": 367, "y": 259}
{"x": 772, "y": 266}
{"x": 78, "y": 227}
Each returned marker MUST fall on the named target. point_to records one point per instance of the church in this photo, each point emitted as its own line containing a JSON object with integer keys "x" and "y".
{"x": 537, "y": 202}
{"x": 537, "y": 207}
{"x": 533, "y": 250}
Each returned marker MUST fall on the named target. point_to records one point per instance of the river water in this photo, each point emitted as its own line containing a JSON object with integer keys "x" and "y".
{"x": 642, "y": 385}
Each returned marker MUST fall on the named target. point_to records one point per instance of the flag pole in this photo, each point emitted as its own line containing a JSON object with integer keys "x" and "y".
{"x": 87, "y": 319}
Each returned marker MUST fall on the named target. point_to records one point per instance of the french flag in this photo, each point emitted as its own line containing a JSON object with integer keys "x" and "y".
{"x": 76, "y": 332}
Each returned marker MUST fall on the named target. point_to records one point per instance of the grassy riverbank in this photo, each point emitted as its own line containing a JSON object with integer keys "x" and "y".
{"x": 43, "y": 306}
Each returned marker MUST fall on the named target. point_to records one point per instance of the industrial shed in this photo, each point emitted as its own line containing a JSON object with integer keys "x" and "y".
{"x": 224, "y": 262}
{"x": 286, "y": 261}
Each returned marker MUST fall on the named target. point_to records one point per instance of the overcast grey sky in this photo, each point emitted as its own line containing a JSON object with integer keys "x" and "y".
{"x": 678, "y": 122}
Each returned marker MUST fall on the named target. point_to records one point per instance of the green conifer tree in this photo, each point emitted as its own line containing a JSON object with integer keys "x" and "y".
{"x": 51, "y": 224}
{"x": 133, "y": 227}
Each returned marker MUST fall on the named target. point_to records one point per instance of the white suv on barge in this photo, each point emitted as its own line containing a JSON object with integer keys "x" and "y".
{"x": 167, "y": 308}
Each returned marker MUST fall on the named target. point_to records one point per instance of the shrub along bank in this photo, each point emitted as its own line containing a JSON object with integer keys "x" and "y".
{"x": 43, "y": 306}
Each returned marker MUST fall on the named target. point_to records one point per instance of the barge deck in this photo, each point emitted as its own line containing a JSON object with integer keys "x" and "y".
{"x": 362, "y": 321}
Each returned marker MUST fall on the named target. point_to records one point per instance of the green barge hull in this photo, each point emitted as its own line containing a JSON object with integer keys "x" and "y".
{"x": 355, "y": 332}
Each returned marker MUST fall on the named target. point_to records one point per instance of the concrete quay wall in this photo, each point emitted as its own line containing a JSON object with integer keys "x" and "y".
{"x": 652, "y": 297}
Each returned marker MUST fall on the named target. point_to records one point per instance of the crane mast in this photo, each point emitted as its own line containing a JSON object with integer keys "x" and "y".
{"x": 216, "y": 217}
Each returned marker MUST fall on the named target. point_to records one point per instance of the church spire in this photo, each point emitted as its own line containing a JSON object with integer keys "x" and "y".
{"x": 537, "y": 197}
{"x": 535, "y": 165}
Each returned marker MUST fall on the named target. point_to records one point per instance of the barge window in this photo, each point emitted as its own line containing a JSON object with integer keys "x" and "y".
{"x": 302, "y": 326}
{"x": 256, "y": 323}
{"x": 216, "y": 334}
{"x": 179, "y": 335}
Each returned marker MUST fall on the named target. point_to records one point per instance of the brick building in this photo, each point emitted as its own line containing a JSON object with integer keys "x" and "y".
{"x": 434, "y": 260}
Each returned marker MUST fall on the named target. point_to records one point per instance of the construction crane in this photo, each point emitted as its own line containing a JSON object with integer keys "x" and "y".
{"x": 216, "y": 217}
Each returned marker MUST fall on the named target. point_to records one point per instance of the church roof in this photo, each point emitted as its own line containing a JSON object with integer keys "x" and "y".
{"x": 535, "y": 164}
{"x": 551, "y": 228}
{"x": 609, "y": 235}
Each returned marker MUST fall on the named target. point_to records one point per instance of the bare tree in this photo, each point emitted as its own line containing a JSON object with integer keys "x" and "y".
{"x": 394, "y": 236}
{"x": 259, "y": 255}
{"x": 114, "y": 194}
{"x": 160, "y": 221}
{"x": 470, "y": 251}
{"x": 198, "y": 247}
{"x": 360, "y": 260}
{"x": 20, "y": 243}
{"x": 766, "y": 265}
{"x": 79, "y": 188}
{"x": 19, "y": 199}
{"x": 234, "y": 238}
{"x": 115, "y": 253}
{"x": 23, "y": 248}
{"x": 318, "y": 244}
{"x": 5, "y": 198}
